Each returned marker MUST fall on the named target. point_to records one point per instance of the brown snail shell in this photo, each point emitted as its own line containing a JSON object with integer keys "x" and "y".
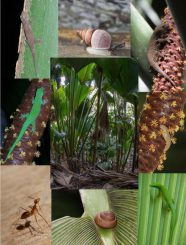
{"x": 95, "y": 38}
{"x": 106, "y": 219}
{"x": 86, "y": 35}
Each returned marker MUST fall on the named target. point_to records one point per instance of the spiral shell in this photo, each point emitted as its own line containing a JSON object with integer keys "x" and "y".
{"x": 97, "y": 39}
{"x": 106, "y": 219}
{"x": 86, "y": 35}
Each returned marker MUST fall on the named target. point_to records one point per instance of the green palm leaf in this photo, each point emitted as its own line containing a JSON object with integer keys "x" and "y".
{"x": 84, "y": 231}
{"x": 154, "y": 220}
{"x": 44, "y": 25}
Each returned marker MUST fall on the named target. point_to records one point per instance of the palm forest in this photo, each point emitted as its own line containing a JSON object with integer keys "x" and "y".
{"x": 94, "y": 123}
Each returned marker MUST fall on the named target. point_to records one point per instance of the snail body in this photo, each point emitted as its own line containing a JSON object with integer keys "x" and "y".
{"x": 106, "y": 220}
{"x": 96, "y": 39}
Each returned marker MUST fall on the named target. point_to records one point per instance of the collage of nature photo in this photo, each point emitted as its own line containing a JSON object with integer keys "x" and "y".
{"x": 93, "y": 129}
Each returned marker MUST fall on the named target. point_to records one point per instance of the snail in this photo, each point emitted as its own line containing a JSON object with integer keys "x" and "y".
{"x": 106, "y": 219}
{"x": 97, "y": 41}
{"x": 95, "y": 38}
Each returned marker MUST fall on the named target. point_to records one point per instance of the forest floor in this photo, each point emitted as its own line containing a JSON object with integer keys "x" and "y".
{"x": 89, "y": 178}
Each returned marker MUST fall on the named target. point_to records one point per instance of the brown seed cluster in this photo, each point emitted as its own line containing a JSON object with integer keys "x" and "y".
{"x": 170, "y": 59}
{"x": 26, "y": 149}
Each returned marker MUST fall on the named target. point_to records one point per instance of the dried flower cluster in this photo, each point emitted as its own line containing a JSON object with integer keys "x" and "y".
{"x": 170, "y": 59}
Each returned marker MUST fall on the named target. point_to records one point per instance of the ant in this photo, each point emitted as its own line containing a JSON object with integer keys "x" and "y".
{"x": 34, "y": 211}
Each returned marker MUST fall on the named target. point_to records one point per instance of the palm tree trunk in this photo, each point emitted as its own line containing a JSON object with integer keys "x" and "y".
{"x": 98, "y": 81}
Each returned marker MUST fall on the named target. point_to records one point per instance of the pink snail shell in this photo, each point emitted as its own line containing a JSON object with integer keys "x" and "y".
{"x": 97, "y": 39}
{"x": 106, "y": 219}
{"x": 101, "y": 39}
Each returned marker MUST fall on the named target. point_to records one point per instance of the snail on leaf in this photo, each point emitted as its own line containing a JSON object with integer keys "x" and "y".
{"x": 106, "y": 220}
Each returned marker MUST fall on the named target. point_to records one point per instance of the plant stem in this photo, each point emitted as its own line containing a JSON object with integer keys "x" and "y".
{"x": 134, "y": 165}
{"x": 99, "y": 80}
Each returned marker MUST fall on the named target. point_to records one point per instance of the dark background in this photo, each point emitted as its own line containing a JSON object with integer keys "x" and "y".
{"x": 66, "y": 203}
{"x": 10, "y": 28}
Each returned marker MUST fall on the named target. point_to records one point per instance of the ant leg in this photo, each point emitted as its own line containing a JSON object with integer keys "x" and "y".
{"x": 39, "y": 207}
{"x": 24, "y": 209}
{"x": 43, "y": 218}
{"x": 41, "y": 232}
{"x": 37, "y": 222}
{"x": 29, "y": 227}
{"x": 19, "y": 216}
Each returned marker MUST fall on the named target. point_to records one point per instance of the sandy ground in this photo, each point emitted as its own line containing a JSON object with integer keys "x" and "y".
{"x": 17, "y": 184}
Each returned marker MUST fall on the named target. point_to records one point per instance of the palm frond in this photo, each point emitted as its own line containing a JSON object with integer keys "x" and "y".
{"x": 84, "y": 230}
{"x": 75, "y": 231}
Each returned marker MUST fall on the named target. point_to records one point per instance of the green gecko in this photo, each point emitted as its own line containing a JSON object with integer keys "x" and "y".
{"x": 170, "y": 203}
{"x": 30, "y": 118}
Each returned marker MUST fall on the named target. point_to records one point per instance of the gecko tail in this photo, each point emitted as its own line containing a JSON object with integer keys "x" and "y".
{"x": 16, "y": 141}
{"x": 35, "y": 69}
{"x": 172, "y": 226}
{"x": 10, "y": 151}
